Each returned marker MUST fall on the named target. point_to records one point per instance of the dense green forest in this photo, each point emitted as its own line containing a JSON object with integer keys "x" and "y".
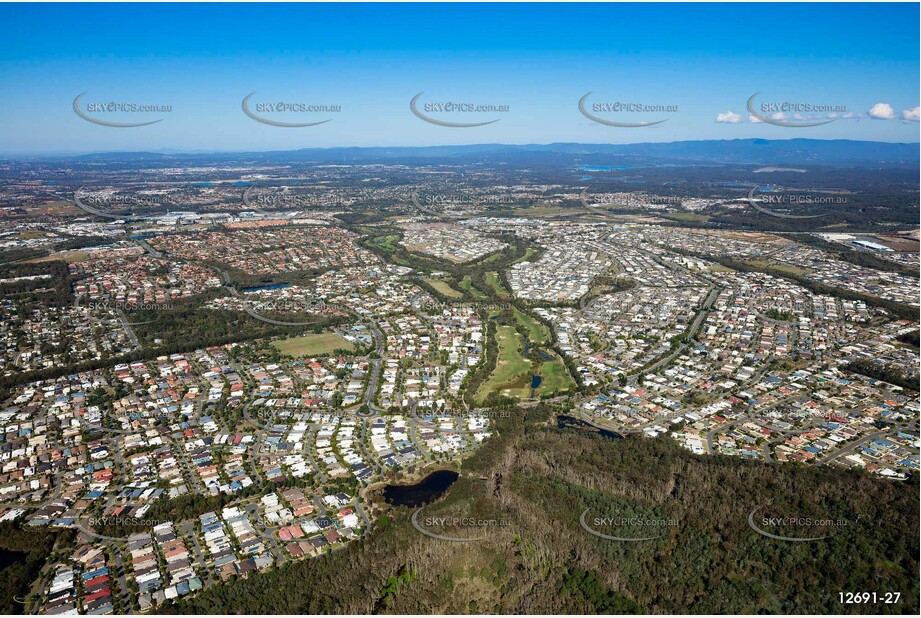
{"x": 539, "y": 479}
{"x": 34, "y": 547}
{"x": 51, "y": 291}
{"x": 911, "y": 338}
{"x": 887, "y": 373}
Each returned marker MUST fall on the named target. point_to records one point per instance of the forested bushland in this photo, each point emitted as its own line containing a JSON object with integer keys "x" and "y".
{"x": 911, "y": 338}
{"x": 182, "y": 328}
{"x": 887, "y": 373}
{"x": 241, "y": 279}
{"x": 15, "y": 579}
{"x": 495, "y": 261}
{"x": 184, "y": 508}
{"x": 901, "y": 310}
{"x": 19, "y": 254}
{"x": 52, "y": 291}
{"x": 860, "y": 258}
{"x": 186, "y": 327}
{"x": 540, "y": 479}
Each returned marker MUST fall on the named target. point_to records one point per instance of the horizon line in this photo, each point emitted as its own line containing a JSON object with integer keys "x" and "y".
{"x": 169, "y": 151}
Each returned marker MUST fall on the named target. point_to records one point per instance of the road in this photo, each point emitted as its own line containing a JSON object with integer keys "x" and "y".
{"x": 744, "y": 419}
{"x": 121, "y": 581}
{"x": 146, "y": 246}
{"x": 128, "y": 330}
{"x": 861, "y": 441}
{"x": 374, "y": 369}
{"x": 308, "y": 454}
{"x": 691, "y": 333}
{"x": 189, "y": 531}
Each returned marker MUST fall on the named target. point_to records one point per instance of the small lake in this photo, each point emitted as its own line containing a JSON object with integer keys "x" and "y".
{"x": 571, "y": 422}
{"x": 428, "y": 489}
{"x": 604, "y": 168}
{"x": 9, "y": 558}
{"x": 261, "y": 288}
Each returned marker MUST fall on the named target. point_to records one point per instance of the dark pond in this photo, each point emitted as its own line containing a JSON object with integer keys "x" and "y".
{"x": 535, "y": 381}
{"x": 272, "y": 286}
{"x": 571, "y": 422}
{"x": 8, "y": 557}
{"x": 428, "y": 489}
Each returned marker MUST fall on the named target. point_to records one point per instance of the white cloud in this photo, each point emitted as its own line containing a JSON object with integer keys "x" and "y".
{"x": 882, "y": 111}
{"x": 753, "y": 118}
{"x": 911, "y": 115}
{"x": 729, "y": 117}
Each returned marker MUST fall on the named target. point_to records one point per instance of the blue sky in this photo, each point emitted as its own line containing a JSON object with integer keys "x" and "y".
{"x": 371, "y": 59}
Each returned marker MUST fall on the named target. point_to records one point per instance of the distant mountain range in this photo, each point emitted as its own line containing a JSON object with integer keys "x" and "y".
{"x": 799, "y": 151}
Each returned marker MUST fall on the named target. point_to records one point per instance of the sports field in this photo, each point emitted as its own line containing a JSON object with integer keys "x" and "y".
{"x": 313, "y": 344}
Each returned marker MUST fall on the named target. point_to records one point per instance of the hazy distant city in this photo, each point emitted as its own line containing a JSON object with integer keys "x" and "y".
{"x": 658, "y": 375}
